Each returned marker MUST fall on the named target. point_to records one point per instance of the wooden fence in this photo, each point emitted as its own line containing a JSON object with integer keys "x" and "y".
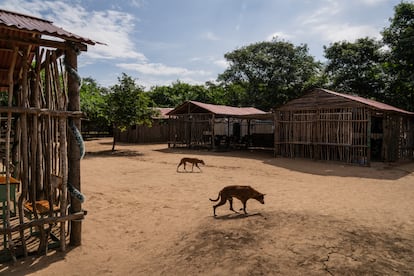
{"x": 157, "y": 133}
{"x": 328, "y": 134}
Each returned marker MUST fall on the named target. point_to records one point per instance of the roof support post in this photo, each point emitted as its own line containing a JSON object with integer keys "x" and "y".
{"x": 213, "y": 135}
{"x": 71, "y": 63}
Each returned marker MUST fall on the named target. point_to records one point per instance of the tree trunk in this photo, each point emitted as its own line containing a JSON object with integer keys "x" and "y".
{"x": 114, "y": 141}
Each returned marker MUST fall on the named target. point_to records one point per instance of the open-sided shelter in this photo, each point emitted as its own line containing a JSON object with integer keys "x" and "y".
{"x": 40, "y": 119}
{"x": 194, "y": 124}
{"x": 326, "y": 125}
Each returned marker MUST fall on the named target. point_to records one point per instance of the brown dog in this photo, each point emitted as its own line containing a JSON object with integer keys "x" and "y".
{"x": 193, "y": 161}
{"x": 243, "y": 193}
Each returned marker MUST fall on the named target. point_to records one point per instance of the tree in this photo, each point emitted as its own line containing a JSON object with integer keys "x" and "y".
{"x": 270, "y": 72}
{"x": 399, "y": 37}
{"x": 127, "y": 104}
{"x": 217, "y": 93}
{"x": 92, "y": 102}
{"x": 179, "y": 92}
{"x": 356, "y": 67}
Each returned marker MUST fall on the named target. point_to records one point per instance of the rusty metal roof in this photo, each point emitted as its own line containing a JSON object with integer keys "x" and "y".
{"x": 222, "y": 110}
{"x": 22, "y": 22}
{"x": 163, "y": 111}
{"x": 26, "y": 32}
{"x": 368, "y": 102}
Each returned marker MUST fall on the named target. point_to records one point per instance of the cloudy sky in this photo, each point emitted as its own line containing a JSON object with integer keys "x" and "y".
{"x": 159, "y": 42}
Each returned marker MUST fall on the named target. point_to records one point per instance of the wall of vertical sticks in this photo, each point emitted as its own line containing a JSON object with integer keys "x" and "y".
{"x": 324, "y": 126}
{"x": 326, "y": 134}
{"x": 35, "y": 134}
{"x": 191, "y": 130}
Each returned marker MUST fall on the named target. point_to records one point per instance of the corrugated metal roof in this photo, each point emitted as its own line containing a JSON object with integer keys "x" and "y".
{"x": 224, "y": 110}
{"x": 26, "y": 29}
{"x": 371, "y": 103}
{"x": 29, "y": 23}
{"x": 163, "y": 111}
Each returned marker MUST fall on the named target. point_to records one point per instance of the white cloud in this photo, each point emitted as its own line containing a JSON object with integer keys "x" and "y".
{"x": 326, "y": 11}
{"x": 138, "y": 3}
{"x": 158, "y": 69}
{"x": 222, "y": 63}
{"x": 373, "y": 2}
{"x": 209, "y": 36}
{"x": 329, "y": 22}
{"x": 339, "y": 32}
{"x": 280, "y": 35}
{"x": 111, "y": 27}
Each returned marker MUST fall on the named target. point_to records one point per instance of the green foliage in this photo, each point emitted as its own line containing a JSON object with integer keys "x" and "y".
{"x": 268, "y": 74}
{"x": 92, "y": 102}
{"x": 356, "y": 67}
{"x": 127, "y": 104}
{"x": 271, "y": 73}
{"x": 179, "y": 92}
{"x": 399, "y": 37}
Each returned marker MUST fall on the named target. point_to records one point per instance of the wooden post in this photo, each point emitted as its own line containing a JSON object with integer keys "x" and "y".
{"x": 368, "y": 156}
{"x": 276, "y": 133}
{"x": 8, "y": 133}
{"x": 71, "y": 63}
{"x": 213, "y": 122}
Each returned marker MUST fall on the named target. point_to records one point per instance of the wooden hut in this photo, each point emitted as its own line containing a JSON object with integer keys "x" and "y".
{"x": 40, "y": 145}
{"x": 326, "y": 125}
{"x": 196, "y": 124}
{"x": 156, "y": 133}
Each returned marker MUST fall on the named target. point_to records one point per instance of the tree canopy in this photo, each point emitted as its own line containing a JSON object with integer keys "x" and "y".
{"x": 271, "y": 72}
{"x": 92, "y": 102}
{"x": 356, "y": 67}
{"x": 399, "y": 37}
{"x": 127, "y": 105}
{"x": 268, "y": 74}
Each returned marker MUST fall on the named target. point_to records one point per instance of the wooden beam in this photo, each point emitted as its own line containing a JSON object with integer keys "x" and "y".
{"x": 41, "y": 42}
{"x": 42, "y": 111}
{"x": 43, "y": 221}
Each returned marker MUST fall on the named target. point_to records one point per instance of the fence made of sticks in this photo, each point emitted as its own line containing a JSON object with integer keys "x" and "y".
{"x": 36, "y": 141}
{"x": 328, "y": 134}
{"x": 342, "y": 134}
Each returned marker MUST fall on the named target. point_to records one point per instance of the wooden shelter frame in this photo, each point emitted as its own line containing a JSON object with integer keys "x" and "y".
{"x": 192, "y": 124}
{"x": 42, "y": 94}
{"x": 324, "y": 125}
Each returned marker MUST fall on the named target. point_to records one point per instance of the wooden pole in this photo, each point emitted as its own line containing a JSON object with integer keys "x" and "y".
{"x": 213, "y": 123}
{"x": 71, "y": 63}
{"x": 10, "y": 102}
{"x": 61, "y": 101}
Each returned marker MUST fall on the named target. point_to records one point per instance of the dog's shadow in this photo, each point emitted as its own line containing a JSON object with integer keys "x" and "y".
{"x": 237, "y": 215}
{"x": 189, "y": 171}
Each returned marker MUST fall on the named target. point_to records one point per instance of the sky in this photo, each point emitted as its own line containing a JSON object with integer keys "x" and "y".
{"x": 159, "y": 42}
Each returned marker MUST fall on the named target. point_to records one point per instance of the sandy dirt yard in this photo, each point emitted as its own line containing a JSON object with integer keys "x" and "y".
{"x": 319, "y": 218}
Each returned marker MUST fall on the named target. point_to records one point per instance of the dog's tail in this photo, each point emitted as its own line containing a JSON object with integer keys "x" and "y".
{"x": 217, "y": 198}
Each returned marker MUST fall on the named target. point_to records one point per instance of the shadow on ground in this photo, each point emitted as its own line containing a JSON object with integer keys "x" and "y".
{"x": 110, "y": 153}
{"x": 377, "y": 170}
{"x": 288, "y": 243}
{"x": 32, "y": 263}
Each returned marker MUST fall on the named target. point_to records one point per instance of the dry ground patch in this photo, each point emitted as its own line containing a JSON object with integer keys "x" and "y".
{"x": 319, "y": 218}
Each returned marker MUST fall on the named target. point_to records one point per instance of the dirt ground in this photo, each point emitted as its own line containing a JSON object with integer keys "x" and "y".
{"x": 319, "y": 218}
